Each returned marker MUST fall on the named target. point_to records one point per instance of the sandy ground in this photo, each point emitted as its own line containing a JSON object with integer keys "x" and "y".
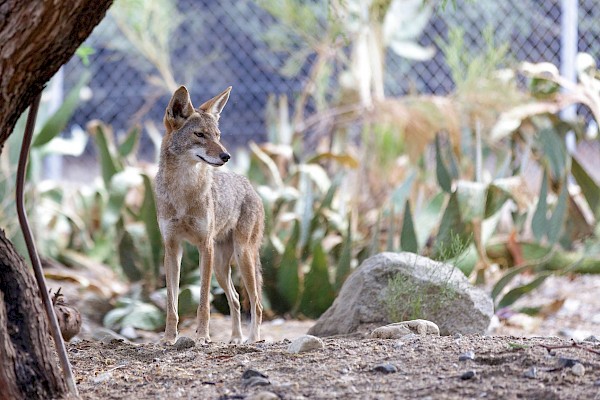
{"x": 347, "y": 368}
{"x": 513, "y": 362}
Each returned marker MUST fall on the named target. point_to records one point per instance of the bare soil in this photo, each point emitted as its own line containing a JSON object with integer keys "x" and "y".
{"x": 426, "y": 367}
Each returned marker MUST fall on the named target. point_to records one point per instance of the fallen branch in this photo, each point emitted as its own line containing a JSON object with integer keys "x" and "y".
{"x": 572, "y": 345}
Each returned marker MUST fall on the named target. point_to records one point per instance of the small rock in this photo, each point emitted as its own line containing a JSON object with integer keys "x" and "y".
{"x": 252, "y": 377}
{"x": 468, "y": 375}
{"x": 410, "y": 337}
{"x": 591, "y": 338}
{"x": 457, "y": 336}
{"x": 305, "y": 343}
{"x": 251, "y": 373}
{"x": 531, "y": 373}
{"x": 263, "y": 396}
{"x": 469, "y": 355}
{"x": 385, "y": 368}
{"x": 256, "y": 381}
{"x": 183, "y": 343}
{"x": 578, "y": 369}
{"x": 597, "y": 383}
{"x": 397, "y": 330}
{"x": 564, "y": 362}
{"x": 390, "y": 332}
{"x": 105, "y": 335}
{"x": 129, "y": 332}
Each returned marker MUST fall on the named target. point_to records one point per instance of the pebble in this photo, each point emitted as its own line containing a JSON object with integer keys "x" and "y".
{"x": 468, "y": 375}
{"x": 597, "y": 383}
{"x": 129, "y": 332}
{"x": 106, "y": 335}
{"x": 578, "y": 369}
{"x": 252, "y": 377}
{"x": 385, "y": 368}
{"x": 531, "y": 373}
{"x": 591, "y": 338}
{"x": 256, "y": 381}
{"x": 564, "y": 362}
{"x": 469, "y": 355}
{"x": 397, "y": 330}
{"x": 305, "y": 343}
{"x": 251, "y": 373}
{"x": 390, "y": 332}
{"x": 265, "y": 395}
{"x": 183, "y": 343}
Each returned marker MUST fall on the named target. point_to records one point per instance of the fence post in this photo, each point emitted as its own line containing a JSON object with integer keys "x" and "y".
{"x": 568, "y": 53}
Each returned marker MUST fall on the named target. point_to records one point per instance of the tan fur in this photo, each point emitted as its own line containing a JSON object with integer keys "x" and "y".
{"x": 217, "y": 211}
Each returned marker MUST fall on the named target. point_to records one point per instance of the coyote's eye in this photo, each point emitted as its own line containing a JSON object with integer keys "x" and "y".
{"x": 199, "y": 134}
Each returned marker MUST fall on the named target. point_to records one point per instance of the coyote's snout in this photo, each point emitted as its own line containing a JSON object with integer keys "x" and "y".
{"x": 217, "y": 211}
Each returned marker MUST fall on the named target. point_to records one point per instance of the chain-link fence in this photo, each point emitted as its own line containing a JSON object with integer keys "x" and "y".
{"x": 220, "y": 43}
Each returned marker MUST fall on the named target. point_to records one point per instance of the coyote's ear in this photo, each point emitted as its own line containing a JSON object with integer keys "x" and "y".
{"x": 216, "y": 104}
{"x": 180, "y": 108}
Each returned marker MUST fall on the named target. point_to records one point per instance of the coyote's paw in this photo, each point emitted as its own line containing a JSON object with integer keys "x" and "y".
{"x": 168, "y": 340}
{"x": 236, "y": 340}
{"x": 253, "y": 339}
{"x": 202, "y": 340}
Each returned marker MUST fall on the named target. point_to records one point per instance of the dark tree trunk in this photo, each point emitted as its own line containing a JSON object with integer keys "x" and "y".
{"x": 24, "y": 341}
{"x": 36, "y": 38}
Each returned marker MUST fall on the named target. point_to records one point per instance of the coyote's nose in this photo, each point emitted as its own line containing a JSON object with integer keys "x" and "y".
{"x": 224, "y": 156}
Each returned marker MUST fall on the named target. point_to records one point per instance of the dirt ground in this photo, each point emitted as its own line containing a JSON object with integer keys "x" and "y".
{"x": 422, "y": 367}
{"x": 513, "y": 363}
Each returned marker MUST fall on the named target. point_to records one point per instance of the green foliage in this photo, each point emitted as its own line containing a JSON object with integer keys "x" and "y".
{"x": 318, "y": 293}
{"x": 46, "y": 140}
{"x": 405, "y": 301}
{"x": 445, "y": 173}
{"x": 131, "y": 228}
{"x": 299, "y": 275}
{"x": 589, "y": 188}
{"x": 135, "y": 314}
{"x": 57, "y": 122}
{"x": 436, "y": 202}
{"x": 408, "y": 238}
{"x": 310, "y": 247}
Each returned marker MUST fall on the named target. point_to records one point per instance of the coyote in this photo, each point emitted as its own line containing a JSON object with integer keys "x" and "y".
{"x": 217, "y": 211}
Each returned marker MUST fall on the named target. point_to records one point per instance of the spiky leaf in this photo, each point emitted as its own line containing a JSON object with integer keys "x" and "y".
{"x": 539, "y": 223}
{"x": 288, "y": 276}
{"x": 58, "y": 121}
{"x": 343, "y": 268}
{"x": 318, "y": 293}
{"x": 589, "y": 187}
{"x": 130, "y": 142}
{"x": 408, "y": 236}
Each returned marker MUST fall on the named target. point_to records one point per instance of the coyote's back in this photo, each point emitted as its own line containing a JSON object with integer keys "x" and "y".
{"x": 218, "y": 211}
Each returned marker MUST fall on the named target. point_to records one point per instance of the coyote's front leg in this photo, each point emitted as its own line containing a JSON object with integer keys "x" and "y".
{"x": 203, "y": 316}
{"x": 173, "y": 252}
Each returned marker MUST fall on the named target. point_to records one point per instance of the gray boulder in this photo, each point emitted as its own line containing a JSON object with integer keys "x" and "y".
{"x": 392, "y": 287}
